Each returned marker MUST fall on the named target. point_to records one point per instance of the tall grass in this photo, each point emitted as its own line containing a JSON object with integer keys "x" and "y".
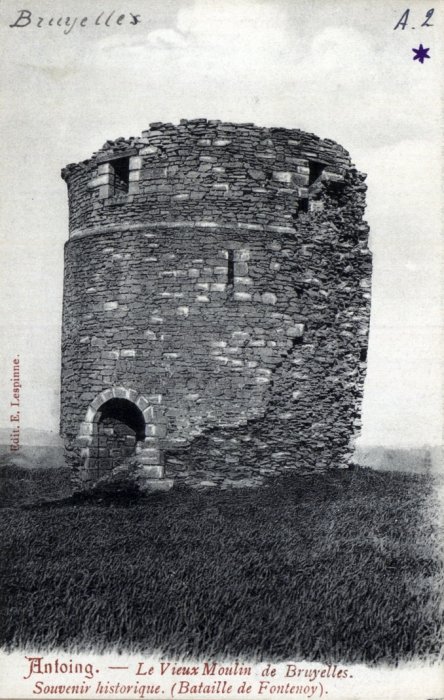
{"x": 21, "y": 484}
{"x": 328, "y": 567}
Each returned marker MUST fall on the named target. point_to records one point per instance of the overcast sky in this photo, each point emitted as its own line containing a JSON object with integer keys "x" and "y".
{"x": 337, "y": 69}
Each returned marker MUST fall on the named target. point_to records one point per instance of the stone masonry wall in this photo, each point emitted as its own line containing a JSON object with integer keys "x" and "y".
{"x": 218, "y": 275}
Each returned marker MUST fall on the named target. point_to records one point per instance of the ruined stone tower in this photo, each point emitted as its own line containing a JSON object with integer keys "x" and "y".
{"x": 216, "y": 304}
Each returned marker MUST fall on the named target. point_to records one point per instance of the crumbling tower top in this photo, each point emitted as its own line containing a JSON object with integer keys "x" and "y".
{"x": 202, "y": 170}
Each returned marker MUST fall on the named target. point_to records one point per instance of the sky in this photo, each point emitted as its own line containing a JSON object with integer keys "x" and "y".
{"x": 336, "y": 69}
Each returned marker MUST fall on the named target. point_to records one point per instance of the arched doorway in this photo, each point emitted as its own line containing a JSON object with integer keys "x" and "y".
{"x": 117, "y": 426}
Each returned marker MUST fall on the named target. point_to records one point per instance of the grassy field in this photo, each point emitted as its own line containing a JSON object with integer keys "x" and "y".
{"x": 341, "y": 567}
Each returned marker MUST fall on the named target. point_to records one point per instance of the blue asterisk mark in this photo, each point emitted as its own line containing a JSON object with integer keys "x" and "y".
{"x": 421, "y": 53}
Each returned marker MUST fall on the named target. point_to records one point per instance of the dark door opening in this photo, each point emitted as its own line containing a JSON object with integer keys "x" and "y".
{"x": 118, "y": 426}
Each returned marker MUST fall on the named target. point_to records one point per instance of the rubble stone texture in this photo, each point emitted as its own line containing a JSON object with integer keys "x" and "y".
{"x": 216, "y": 303}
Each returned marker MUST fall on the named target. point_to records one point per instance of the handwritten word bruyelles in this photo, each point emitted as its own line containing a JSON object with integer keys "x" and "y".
{"x": 105, "y": 19}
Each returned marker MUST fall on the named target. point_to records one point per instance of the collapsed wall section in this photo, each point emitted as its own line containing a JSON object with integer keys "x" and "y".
{"x": 313, "y": 414}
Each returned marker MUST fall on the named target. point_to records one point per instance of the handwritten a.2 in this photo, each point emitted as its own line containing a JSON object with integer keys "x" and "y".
{"x": 405, "y": 18}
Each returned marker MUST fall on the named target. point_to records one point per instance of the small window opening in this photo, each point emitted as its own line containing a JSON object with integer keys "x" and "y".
{"x": 363, "y": 355}
{"x": 316, "y": 170}
{"x": 303, "y": 205}
{"x": 121, "y": 175}
{"x": 230, "y": 268}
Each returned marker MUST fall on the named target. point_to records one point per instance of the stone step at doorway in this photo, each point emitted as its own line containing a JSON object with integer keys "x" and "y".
{"x": 152, "y": 471}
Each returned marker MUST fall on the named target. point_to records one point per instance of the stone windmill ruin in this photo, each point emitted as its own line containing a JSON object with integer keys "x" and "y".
{"x": 216, "y": 305}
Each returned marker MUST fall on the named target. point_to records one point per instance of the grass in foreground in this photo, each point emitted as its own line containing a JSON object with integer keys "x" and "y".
{"x": 340, "y": 566}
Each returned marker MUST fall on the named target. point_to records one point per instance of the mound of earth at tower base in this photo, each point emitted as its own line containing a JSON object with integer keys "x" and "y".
{"x": 216, "y": 304}
{"x": 130, "y": 477}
